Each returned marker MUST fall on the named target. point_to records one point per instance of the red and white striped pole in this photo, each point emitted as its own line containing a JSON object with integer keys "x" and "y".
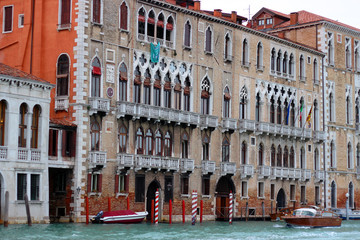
{"x": 194, "y": 206}
{"x": 157, "y": 206}
{"x": 230, "y": 207}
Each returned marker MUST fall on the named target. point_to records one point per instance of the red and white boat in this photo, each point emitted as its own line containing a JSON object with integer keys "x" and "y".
{"x": 121, "y": 216}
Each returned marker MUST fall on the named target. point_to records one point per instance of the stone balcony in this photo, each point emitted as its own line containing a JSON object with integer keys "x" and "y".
{"x": 33, "y": 155}
{"x": 227, "y": 168}
{"x": 283, "y": 130}
{"x": 228, "y": 124}
{"x": 305, "y": 175}
{"x": 3, "y": 152}
{"x": 278, "y": 172}
{"x": 208, "y": 167}
{"x": 263, "y": 171}
{"x": 125, "y": 161}
{"x": 155, "y": 163}
{"x": 246, "y": 171}
{"x": 170, "y": 164}
{"x": 97, "y": 159}
{"x": 294, "y": 173}
{"x": 319, "y": 176}
{"x": 62, "y": 103}
{"x": 246, "y": 125}
{"x": 208, "y": 121}
{"x": 99, "y": 105}
{"x": 187, "y": 165}
{"x": 319, "y": 136}
{"x": 137, "y": 110}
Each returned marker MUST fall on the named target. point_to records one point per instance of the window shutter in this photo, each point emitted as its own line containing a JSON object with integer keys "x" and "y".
{"x": 65, "y": 11}
{"x": 100, "y": 183}
{"x": 63, "y": 144}
{"x": 51, "y": 140}
{"x": 73, "y": 144}
{"x": 116, "y": 183}
{"x": 208, "y": 40}
{"x": 89, "y": 183}
{"x": 8, "y": 19}
{"x": 126, "y": 183}
{"x": 124, "y": 17}
{"x": 96, "y": 11}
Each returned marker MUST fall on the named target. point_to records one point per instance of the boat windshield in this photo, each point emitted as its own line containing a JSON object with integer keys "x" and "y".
{"x": 301, "y": 212}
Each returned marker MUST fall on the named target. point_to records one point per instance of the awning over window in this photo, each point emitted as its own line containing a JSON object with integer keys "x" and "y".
{"x": 204, "y": 94}
{"x": 151, "y": 20}
{"x": 227, "y": 96}
{"x": 169, "y": 26}
{"x": 141, "y": 18}
{"x": 96, "y": 70}
{"x": 160, "y": 24}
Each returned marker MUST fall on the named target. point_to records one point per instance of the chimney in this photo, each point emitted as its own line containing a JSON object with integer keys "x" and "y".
{"x": 294, "y": 18}
{"x": 197, "y": 5}
{"x": 234, "y": 16}
{"x": 217, "y": 13}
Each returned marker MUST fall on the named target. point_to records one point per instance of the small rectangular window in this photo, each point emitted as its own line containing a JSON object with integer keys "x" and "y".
{"x": 21, "y": 21}
{"x": 260, "y": 189}
{"x": 303, "y": 195}
{"x": 35, "y": 187}
{"x": 53, "y": 142}
{"x": 272, "y": 191}
{"x": 8, "y": 19}
{"x": 292, "y": 192}
{"x": 60, "y": 182}
{"x": 261, "y": 22}
{"x": 168, "y": 188}
{"x": 21, "y": 186}
{"x": 269, "y": 21}
{"x": 139, "y": 188}
{"x": 206, "y": 185}
{"x": 185, "y": 184}
{"x": 253, "y": 141}
{"x": 317, "y": 195}
{"x": 244, "y": 189}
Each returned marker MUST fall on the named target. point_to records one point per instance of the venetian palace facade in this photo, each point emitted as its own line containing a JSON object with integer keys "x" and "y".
{"x": 224, "y": 109}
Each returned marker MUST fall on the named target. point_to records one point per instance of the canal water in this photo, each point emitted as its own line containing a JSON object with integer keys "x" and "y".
{"x": 209, "y": 230}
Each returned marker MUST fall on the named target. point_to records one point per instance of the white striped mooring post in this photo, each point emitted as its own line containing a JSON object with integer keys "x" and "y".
{"x": 157, "y": 206}
{"x": 230, "y": 207}
{"x": 194, "y": 206}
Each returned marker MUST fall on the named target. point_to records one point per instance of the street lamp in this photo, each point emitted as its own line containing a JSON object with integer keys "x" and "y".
{"x": 78, "y": 189}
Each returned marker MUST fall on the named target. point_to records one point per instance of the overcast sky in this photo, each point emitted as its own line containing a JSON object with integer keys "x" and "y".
{"x": 345, "y": 11}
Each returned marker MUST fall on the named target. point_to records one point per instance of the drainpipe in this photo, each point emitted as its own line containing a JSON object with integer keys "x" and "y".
{"x": 32, "y": 34}
{"x": 324, "y": 157}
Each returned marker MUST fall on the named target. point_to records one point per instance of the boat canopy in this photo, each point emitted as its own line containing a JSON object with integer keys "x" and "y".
{"x": 305, "y": 212}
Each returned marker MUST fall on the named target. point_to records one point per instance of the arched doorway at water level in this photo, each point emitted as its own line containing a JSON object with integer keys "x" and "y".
{"x": 281, "y": 199}
{"x": 223, "y": 188}
{"x": 150, "y": 195}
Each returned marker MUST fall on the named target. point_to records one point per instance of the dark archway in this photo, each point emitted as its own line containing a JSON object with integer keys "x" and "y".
{"x": 223, "y": 188}
{"x": 281, "y": 199}
{"x": 150, "y": 195}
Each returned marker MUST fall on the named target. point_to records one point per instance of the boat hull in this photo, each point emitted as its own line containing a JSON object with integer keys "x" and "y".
{"x": 313, "y": 221}
{"x": 125, "y": 219}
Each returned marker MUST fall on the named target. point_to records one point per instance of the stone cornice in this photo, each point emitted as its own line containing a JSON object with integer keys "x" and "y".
{"x": 231, "y": 24}
{"x": 26, "y": 82}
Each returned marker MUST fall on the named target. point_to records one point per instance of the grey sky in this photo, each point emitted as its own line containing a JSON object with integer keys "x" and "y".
{"x": 345, "y": 11}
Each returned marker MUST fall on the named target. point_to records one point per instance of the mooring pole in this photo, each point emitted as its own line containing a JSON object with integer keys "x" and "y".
{"x": 246, "y": 211}
{"x": 152, "y": 210}
{"x": 6, "y": 213}
{"x": 201, "y": 210}
{"x": 170, "y": 211}
{"x": 109, "y": 204}
{"x": 183, "y": 210}
{"x": 263, "y": 210}
{"x": 127, "y": 203}
{"x": 27, "y": 210}
{"x": 87, "y": 209}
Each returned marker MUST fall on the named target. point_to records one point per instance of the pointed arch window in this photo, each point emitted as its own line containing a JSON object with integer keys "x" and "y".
{"x": 272, "y": 110}
{"x": 243, "y": 152}
{"x": 62, "y": 75}
{"x": 273, "y": 156}
{"x": 302, "y": 158}
{"x": 257, "y": 108}
{"x": 123, "y": 16}
{"x": 35, "y": 127}
{"x": 139, "y": 141}
{"x": 95, "y": 136}
{"x": 151, "y": 27}
{"x": 278, "y": 112}
{"x": 330, "y": 48}
{"x": 348, "y": 53}
{"x": 123, "y": 82}
{"x": 292, "y": 114}
{"x": 245, "y": 53}
{"x": 316, "y": 160}
{"x": 158, "y": 143}
{"x": 331, "y": 107}
{"x": 227, "y": 98}
{"x": 122, "y": 139}
{"x": 225, "y": 150}
{"x": 333, "y": 155}
{"x": 167, "y": 91}
{"x": 96, "y": 77}
{"x": 348, "y": 110}
{"x": 206, "y": 148}
{"x": 177, "y": 92}
{"x": 160, "y": 27}
{"x": 149, "y": 142}
{"x": 187, "y": 34}
{"x": 351, "y": 195}
{"x": 259, "y": 57}
{"x": 273, "y": 57}
{"x": 137, "y": 85}
{"x": 168, "y": 144}
{"x": 286, "y": 157}
{"x": 291, "y": 65}
{"x": 278, "y": 61}
{"x": 147, "y": 87}
{"x": 279, "y": 157}
{"x": 349, "y": 156}
{"x": 205, "y": 96}
{"x": 22, "y": 125}
{"x": 261, "y": 155}
{"x": 227, "y": 50}
{"x": 170, "y": 32}
{"x": 285, "y": 63}
{"x": 243, "y": 103}
{"x": 208, "y": 40}
{"x": 141, "y": 24}
{"x": 185, "y": 145}
{"x": 316, "y": 72}
{"x": 2, "y": 122}
{"x": 302, "y": 68}
{"x": 157, "y": 89}
{"x": 292, "y": 158}
{"x": 187, "y": 94}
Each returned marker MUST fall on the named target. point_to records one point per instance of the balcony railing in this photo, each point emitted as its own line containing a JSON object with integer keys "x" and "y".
{"x": 264, "y": 171}
{"x": 3, "y": 152}
{"x": 156, "y": 163}
{"x": 170, "y": 164}
{"x": 23, "y": 154}
{"x": 99, "y": 105}
{"x": 279, "y": 129}
{"x": 208, "y": 167}
{"x": 227, "y": 168}
{"x": 169, "y": 44}
{"x": 319, "y": 175}
{"x": 305, "y": 174}
{"x": 294, "y": 173}
{"x": 125, "y": 161}
{"x": 35, "y": 155}
{"x": 158, "y": 113}
{"x": 229, "y": 124}
{"x": 97, "y": 158}
{"x": 247, "y": 125}
{"x": 208, "y": 121}
{"x": 187, "y": 165}
{"x": 61, "y": 103}
{"x": 319, "y": 136}
{"x": 279, "y": 172}
{"x": 246, "y": 170}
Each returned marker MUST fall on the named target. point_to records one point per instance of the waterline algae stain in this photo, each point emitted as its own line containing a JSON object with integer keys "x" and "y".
{"x": 208, "y": 230}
